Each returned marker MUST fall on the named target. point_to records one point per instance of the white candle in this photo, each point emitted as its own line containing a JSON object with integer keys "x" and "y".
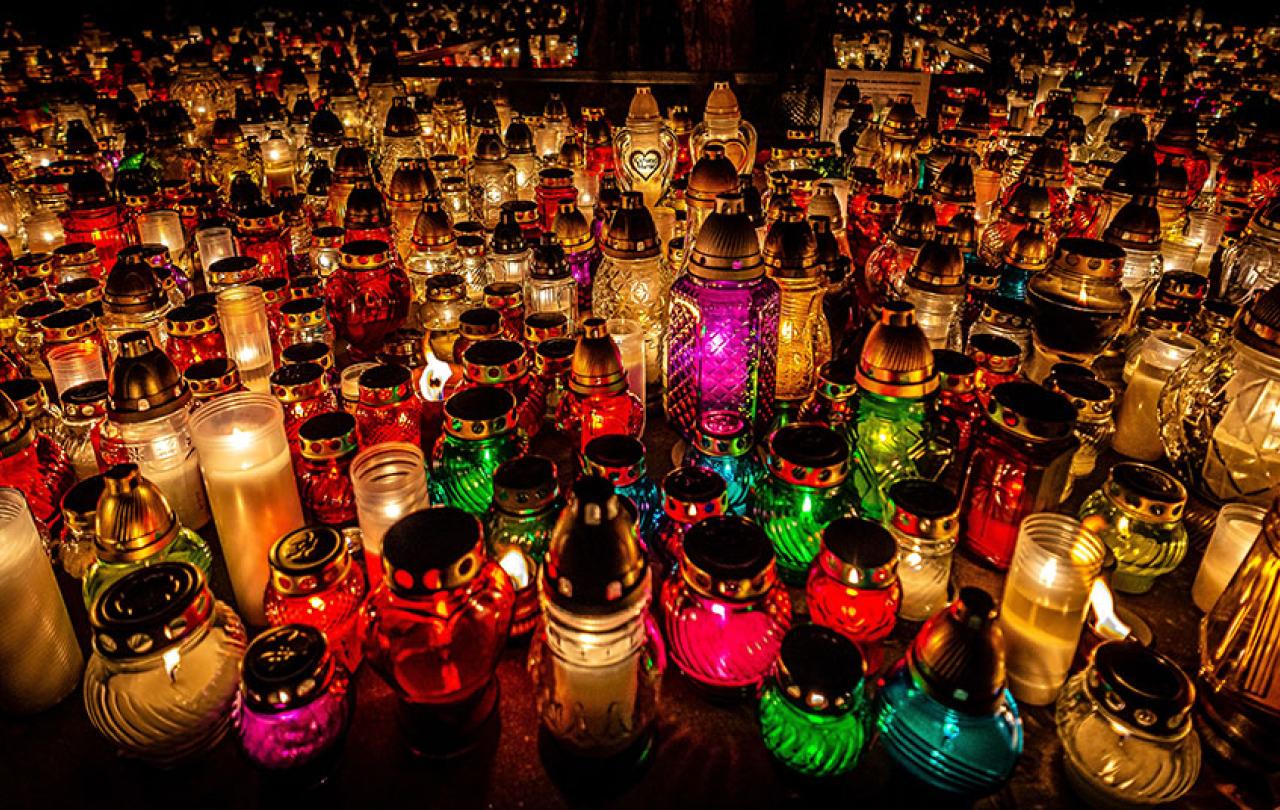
{"x": 1046, "y": 597}
{"x": 40, "y": 660}
{"x": 1137, "y": 428}
{"x": 242, "y": 312}
{"x": 1237, "y": 528}
{"x": 249, "y": 475}
{"x": 164, "y": 227}
{"x": 628, "y": 335}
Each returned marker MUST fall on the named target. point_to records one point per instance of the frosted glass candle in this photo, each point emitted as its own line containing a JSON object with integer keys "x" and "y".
{"x": 1237, "y": 528}
{"x": 74, "y": 363}
{"x": 242, "y": 311}
{"x": 164, "y": 227}
{"x": 1046, "y": 597}
{"x": 1137, "y": 427}
{"x": 244, "y": 454}
{"x": 389, "y": 481}
{"x": 1205, "y": 227}
{"x": 40, "y": 660}
{"x": 664, "y": 219}
{"x": 213, "y": 244}
{"x": 628, "y": 336}
{"x": 1180, "y": 253}
{"x": 44, "y": 232}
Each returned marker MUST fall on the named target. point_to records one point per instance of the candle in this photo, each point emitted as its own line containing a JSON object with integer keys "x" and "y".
{"x": 1046, "y": 596}
{"x": 74, "y": 363}
{"x": 1137, "y": 426}
{"x": 164, "y": 227}
{"x": 1237, "y": 527}
{"x": 213, "y": 244}
{"x": 628, "y": 335}
{"x": 40, "y": 660}
{"x": 390, "y": 481}
{"x": 244, "y": 454}
{"x": 242, "y": 312}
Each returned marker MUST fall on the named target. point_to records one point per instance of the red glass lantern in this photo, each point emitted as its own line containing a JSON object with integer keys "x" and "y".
{"x": 260, "y": 234}
{"x": 555, "y": 185}
{"x": 508, "y": 299}
{"x": 94, "y": 217}
{"x": 34, "y": 464}
{"x": 853, "y": 586}
{"x": 193, "y": 335}
{"x": 505, "y": 364}
{"x": 368, "y": 297}
{"x": 726, "y": 613}
{"x": 598, "y": 402}
{"x": 314, "y": 582}
{"x": 304, "y": 391}
{"x": 388, "y": 409}
{"x": 327, "y": 444}
{"x": 436, "y": 627}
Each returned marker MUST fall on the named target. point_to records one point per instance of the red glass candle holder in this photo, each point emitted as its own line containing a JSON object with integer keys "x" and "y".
{"x": 261, "y": 235}
{"x": 315, "y": 582}
{"x": 35, "y": 465}
{"x": 505, "y": 364}
{"x": 368, "y": 297}
{"x": 853, "y": 586}
{"x": 555, "y": 185}
{"x": 689, "y": 495}
{"x": 193, "y": 335}
{"x": 304, "y": 392}
{"x": 388, "y": 409}
{"x": 327, "y": 445}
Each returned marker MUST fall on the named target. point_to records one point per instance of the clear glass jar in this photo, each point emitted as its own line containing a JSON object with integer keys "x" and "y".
{"x": 1125, "y": 727}
{"x": 550, "y": 286}
{"x": 1138, "y": 514}
{"x": 162, "y": 682}
{"x": 923, "y": 518}
{"x": 1137, "y": 425}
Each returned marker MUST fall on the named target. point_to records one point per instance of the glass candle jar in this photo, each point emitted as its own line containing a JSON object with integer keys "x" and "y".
{"x": 526, "y": 504}
{"x": 1234, "y": 533}
{"x": 598, "y": 401}
{"x": 801, "y": 492}
{"x": 621, "y": 460}
{"x": 722, "y": 125}
{"x": 505, "y": 364}
{"x": 726, "y": 613}
{"x": 555, "y": 185}
{"x": 596, "y": 658}
{"x": 1094, "y": 402}
{"x": 77, "y": 551}
{"x": 479, "y": 435}
{"x": 388, "y": 409}
{"x": 725, "y": 446}
{"x": 923, "y": 518}
{"x": 853, "y": 586}
{"x": 436, "y": 626}
{"x": 295, "y": 705}
{"x": 327, "y": 444}
{"x": 305, "y": 321}
{"x": 314, "y": 582}
{"x": 813, "y": 712}
{"x": 368, "y": 297}
{"x": 389, "y": 481}
{"x": 244, "y": 454}
{"x": 997, "y": 358}
{"x": 72, "y": 347}
{"x": 1125, "y": 727}
{"x": 40, "y": 659}
{"x": 242, "y": 312}
{"x": 1021, "y": 462}
{"x": 550, "y": 286}
{"x": 943, "y": 713}
{"x": 689, "y": 495}
{"x": 303, "y": 392}
{"x": 134, "y": 527}
{"x": 723, "y": 300}
{"x": 194, "y": 335}
{"x": 260, "y": 234}
{"x": 646, "y": 149}
{"x": 508, "y": 298}
{"x": 162, "y": 682}
{"x": 1138, "y": 515}
{"x": 1137, "y": 425}
{"x": 1046, "y": 597}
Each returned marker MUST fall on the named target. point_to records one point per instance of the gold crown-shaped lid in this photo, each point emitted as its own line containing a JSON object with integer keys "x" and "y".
{"x": 790, "y": 248}
{"x": 1029, "y": 250}
{"x": 727, "y": 246}
{"x": 938, "y": 267}
{"x": 597, "y": 365}
{"x": 133, "y": 521}
{"x": 712, "y": 175}
{"x": 298, "y": 382}
{"x": 190, "y": 320}
{"x": 365, "y": 254}
{"x": 213, "y": 377}
{"x": 260, "y": 219}
{"x": 1090, "y": 257}
{"x": 480, "y": 413}
{"x": 897, "y": 360}
{"x": 69, "y": 326}
{"x": 328, "y": 436}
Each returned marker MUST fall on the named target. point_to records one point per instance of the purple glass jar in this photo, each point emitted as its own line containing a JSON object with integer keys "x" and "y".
{"x": 295, "y": 704}
{"x": 723, "y": 328}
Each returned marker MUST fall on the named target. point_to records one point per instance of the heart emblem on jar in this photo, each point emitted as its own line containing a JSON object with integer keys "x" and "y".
{"x": 645, "y": 163}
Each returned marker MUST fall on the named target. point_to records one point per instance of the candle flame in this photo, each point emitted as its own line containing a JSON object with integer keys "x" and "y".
{"x": 171, "y": 660}
{"x": 433, "y": 380}
{"x": 1103, "y": 605}
{"x": 516, "y": 566}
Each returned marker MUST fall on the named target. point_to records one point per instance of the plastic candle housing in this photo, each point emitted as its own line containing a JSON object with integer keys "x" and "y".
{"x": 1093, "y": 402}
{"x": 923, "y": 518}
{"x": 295, "y": 705}
{"x": 1234, "y": 533}
{"x": 389, "y": 481}
{"x": 1138, "y": 515}
{"x": 213, "y": 243}
{"x": 597, "y": 658}
{"x": 242, "y": 312}
{"x": 133, "y": 527}
{"x": 598, "y": 401}
{"x": 479, "y": 435}
{"x": 314, "y": 582}
{"x": 244, "y": 454}
{"x": 943, "y": 713}
{"x": 162, "y": 682}
{"x": 368, "y": 297}
{"x": 388, "y": 409}
{"x": 555, "y": 185}
{"x": 646, "y": 149}
{"x": 1020, "y": 463}
{"x": 326, "y": 447}
{"x": 712, "y": 175}
{"x": 725, "y": 446}
{"x": 40, "y": 659}
{"x": 492, "y": 179}
{"x": 621, "y": 460}
{"x": 722, "y": 338}
{"x": 305, "y": 321}
{"x": 629, "y": 336}
{"x": 436, "y": 625}
{"x": 813, "y": 711}
{"x": 510, "y": 255}
{"x": 1137, "y": 425}
{"x": 726, "y": 612}
{"x": 802, "y": 491}
{"x": 853, "y": 586}
{"x": 163, "y": 227}
{"x": 689, "y": 496}
{"x": 132, "y": 299}
{"x": 1046, "y": 596}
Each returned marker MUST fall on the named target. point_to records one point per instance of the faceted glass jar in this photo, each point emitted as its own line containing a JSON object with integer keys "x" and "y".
{"x": 638, "y": 290}
{"x": 888, "y": 434}
{"x": 315, "y": 582}
{"x": 1117, "y": 751}
{"x": 173, "y": 702}
{"x": 1138, "y": 514}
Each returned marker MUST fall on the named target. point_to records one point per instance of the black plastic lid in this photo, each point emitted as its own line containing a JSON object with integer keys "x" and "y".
{"x": 728, "y": 547}
{"x": 331, "y": 426}
{"x": 432, "y": 549}
{"x": 384, "y": 375}
{"x": 958, "y": 655}
{"x": 923, "y": 498}
{"x": 859, "y": 543}
{"x": 594, "y": 564}
{"x": 483, "y": 404}
{"x": 994, "y": 345}
{"x": 819, "y": 670}
{"x": 614, "y": 450}
{"x": 1036, "y": 411}
{"x": 150, "y": 609}
{"x": 309, "y": 352}
{"x": 950, "y": 363}
{"x": 494, "y": 352}
{"x": 1141, "y": 688}
{"x": 285, "y": 668}
{"x": 690, "y": 485}
{"x": 809, "y": 445}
